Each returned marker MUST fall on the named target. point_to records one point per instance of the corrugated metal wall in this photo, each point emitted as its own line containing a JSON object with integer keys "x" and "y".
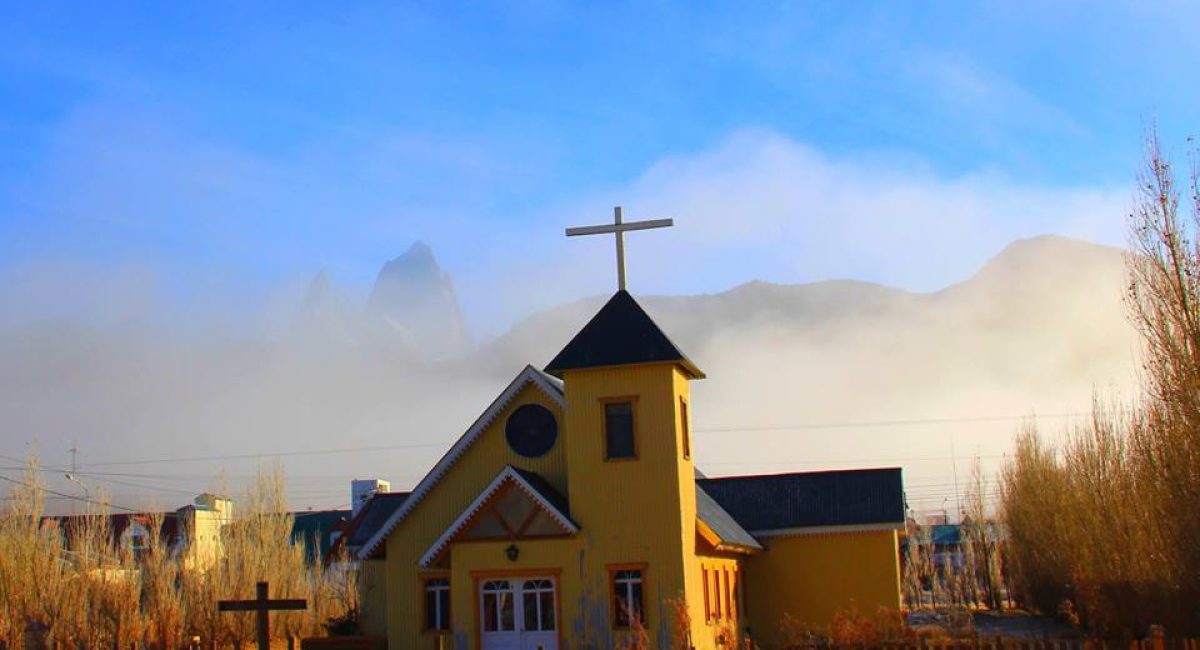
{"x": 812, "y": 577}
{"x": 631, "y": 512}
{"x": 453, "y": 493}
{"x": 635, "y": 511}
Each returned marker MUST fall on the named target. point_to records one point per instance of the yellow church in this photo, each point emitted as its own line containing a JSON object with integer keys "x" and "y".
{"x": 570, "y": 515}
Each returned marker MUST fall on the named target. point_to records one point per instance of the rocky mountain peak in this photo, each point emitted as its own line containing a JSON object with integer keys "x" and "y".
{"x": 318, "y": 290}
{"x": 417, "y": 261}
{"x": 325, "y": 314}
{"x": 415, "y": 299}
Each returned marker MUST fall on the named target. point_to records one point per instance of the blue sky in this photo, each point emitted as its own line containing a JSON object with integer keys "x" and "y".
{"x": 165, "y": 156}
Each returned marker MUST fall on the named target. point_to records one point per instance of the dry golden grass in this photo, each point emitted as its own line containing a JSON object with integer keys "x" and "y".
{"x": 680, "y": 620}
{"x": 635, "y": 638}
{"x": 850, "y": 628}
{"x": 90, "y": 590}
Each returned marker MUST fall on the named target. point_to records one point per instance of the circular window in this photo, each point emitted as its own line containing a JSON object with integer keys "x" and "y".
{"x": 531, "y": 430}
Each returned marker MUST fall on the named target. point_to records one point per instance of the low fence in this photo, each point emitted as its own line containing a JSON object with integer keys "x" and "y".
{"x": 998, "y": 643}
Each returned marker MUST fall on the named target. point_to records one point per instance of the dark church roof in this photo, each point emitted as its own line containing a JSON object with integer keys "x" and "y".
{"x": 722, "y": 523}
{"x": 621, "y": 333}
{"x": 368, "y": 521}
{"x": 374, "y": 512}
{"x": 545, "y": 490}
{"x": 809, "y": 499}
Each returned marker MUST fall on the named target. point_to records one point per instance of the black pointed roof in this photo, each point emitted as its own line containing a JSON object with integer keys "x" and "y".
{"x": 620, "y": 334}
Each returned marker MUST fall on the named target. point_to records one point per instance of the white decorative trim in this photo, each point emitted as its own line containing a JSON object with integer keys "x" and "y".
{"x": 530, "y": 375}
{"x": 507, "y": 474}
{"x": 826, "y": 530}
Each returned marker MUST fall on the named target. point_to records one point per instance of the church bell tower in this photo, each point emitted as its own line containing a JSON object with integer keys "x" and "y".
{"x": 631, "y": 481}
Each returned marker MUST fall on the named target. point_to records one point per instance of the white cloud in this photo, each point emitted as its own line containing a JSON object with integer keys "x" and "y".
{"x": 127, "y": 188}
{"x": 760, "y": 205}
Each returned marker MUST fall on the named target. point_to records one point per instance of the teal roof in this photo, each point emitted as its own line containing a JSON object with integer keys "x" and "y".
{"x": 317, "y": 526}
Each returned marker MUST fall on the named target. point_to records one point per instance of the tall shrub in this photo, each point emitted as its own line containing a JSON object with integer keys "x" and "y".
{"x": 1106, "y": 526}
{"x": 82, "y": 584}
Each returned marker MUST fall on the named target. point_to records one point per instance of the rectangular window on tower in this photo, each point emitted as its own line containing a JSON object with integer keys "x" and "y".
{"x": 619, "y": 441}
{"x": 685, "y": 429}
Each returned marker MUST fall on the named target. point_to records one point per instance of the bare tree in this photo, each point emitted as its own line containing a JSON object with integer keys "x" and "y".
{"x": 1164, "y": 303}
{"x": 1107, "y": 529}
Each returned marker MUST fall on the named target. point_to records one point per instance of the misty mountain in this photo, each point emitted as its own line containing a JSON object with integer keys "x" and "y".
{"x": 800, "y": 376}
{"x": 412, "y": 313}
{"x": 1046, "y": 296}
{"x": 852, "y": 374}
{"x": 327, "y": 314}
{"x": 413, "y": 301}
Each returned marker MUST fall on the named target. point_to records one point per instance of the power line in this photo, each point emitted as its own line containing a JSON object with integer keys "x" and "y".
{"x": 275, "y": 454}
{"x": 351, "y": 450}
{"x": 292, "y": 478}
{"x": 142, "y": 486}
{"x": 69, "y": 496}
{"x": 99, "y": 477}
{"x": 826, "y": 461}
{"x": 887, "y": 423}
{"x": 706, "y": 429}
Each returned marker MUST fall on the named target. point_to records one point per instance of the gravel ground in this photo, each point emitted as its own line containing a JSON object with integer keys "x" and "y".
{"x": 1010, "y": 624}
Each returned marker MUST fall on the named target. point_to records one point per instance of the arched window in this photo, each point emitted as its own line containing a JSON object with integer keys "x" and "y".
{"x": 537, "y": 601}
{"x": 498, "y": 615}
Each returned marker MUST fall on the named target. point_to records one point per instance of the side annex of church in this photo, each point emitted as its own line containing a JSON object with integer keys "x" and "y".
{"x": 570, "y": 515}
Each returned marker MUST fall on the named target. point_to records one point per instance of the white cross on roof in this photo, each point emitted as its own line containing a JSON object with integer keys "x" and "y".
{"x": 619, "y": 228}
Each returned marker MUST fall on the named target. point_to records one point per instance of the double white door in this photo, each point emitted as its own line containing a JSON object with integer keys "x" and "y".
{"x": 519, "y": 613}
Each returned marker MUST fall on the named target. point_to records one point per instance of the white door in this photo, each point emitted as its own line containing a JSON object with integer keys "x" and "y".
{"x": 539, "y": 624}
{"x": 519, "y": 614}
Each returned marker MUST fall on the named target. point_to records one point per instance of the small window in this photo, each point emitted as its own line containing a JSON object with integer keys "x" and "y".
{"x": 627, "y": 597}
{"x": 728, "y": 601}
{"x": 686, "y": 430}
{"x": 716, "y": 574}
{"x": 138, "y": 539}
{"x": 735, "y": 606}
{"x": 437, "y": 604}
{"x": 707, "y": 596}
{"x": 618, "y": 430}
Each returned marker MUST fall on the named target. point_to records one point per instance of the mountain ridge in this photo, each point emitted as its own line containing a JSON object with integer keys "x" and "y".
{"x": 1048, "y": 274}
{"x": 800, "y": 376}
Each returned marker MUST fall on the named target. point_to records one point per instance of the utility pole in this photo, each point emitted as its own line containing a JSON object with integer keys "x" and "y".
{"x": 87, "y": 494}
{"x": 957, "y": 495}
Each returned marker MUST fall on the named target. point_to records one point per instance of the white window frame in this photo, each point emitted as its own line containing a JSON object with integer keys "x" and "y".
{"x": 436, "y": 586}
{"x": 623, "y": 586}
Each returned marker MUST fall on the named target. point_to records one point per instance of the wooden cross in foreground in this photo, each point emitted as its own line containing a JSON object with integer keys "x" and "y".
{"x": 262, "y": 606}
{"x": 619, "y": 228}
